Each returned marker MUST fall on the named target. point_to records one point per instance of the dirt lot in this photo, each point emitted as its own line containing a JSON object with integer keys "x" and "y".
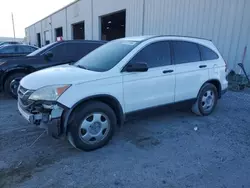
{"x": 158, "y": 149}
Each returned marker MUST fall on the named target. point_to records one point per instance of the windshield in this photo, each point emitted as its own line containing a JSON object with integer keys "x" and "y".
{"x": 107, "y": 56}
{"x": 40, "y": 50}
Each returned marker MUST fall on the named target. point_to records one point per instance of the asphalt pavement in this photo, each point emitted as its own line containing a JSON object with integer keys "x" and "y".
{"x": 160, "y": 148}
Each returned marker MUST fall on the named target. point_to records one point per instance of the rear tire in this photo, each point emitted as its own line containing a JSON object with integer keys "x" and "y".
{"x": 92, "y": 127}
{"x": 12, "y": 83}
{"x": 206, "y": 100}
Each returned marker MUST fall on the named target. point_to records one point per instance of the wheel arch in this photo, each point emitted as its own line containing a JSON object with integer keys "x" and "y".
{"x": 216, "y": 83}
{"x": 107, "y": 99}
{"x": 14, "y": 71}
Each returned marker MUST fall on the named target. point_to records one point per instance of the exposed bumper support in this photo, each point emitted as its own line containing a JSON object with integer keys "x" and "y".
{"x": 52, "y": 120}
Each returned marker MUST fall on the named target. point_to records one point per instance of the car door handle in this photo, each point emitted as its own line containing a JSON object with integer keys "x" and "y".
{"x": 202, "y": 66}
{"x": 167, "y": 71}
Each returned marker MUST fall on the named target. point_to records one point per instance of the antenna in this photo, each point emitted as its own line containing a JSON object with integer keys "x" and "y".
{"x": 13, "y": 24}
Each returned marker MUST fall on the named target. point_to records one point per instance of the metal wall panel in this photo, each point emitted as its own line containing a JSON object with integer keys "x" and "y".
{"x": 32, "y": 36}
{"x": 38, "y": 29}
{"x": 59, "y": 20}
{"x": 46, "y": 28}
{"x": 226, "y": 22}
{"x": 77, "y": 12}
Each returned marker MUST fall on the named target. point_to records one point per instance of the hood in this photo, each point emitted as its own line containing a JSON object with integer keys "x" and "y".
{"x": 63, "y": 74}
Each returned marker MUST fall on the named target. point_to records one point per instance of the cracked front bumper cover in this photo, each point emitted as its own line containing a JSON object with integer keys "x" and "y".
{"x": 52, "y": 121}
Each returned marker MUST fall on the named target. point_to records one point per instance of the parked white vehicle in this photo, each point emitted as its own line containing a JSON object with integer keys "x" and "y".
{"x": 87, "y": 100}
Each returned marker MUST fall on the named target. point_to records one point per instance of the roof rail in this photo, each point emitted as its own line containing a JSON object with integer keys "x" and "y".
{"x": 183, "y": 36}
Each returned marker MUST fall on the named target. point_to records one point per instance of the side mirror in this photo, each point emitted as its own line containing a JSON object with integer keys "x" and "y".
{"x": 48, "y": 55}
{"x": 136, "y": 67}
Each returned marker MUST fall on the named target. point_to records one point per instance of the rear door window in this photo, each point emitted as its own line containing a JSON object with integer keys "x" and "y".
{"x": 185, "y": 52}
{"x": 24, "y": 49}
{"x": 9, "y": 50}
{"x": 60, "y": 51}
{"x": 155, "y": 55}
{"x": 207, "y": 54}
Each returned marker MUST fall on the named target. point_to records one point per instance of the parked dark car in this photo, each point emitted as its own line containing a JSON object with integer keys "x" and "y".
{"x": 9, "y": 42}
{"x": 15, "y": 50}
{"x": 57, "y": 53}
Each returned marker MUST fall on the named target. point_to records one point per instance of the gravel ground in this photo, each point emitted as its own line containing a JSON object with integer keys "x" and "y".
{"x": 156, "y": 149}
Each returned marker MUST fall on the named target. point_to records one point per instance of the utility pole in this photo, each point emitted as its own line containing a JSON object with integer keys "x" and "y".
{"x": 13, "y": 24}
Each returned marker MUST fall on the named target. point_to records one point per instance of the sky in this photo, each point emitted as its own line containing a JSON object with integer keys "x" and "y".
{"x": 26, "y": 12}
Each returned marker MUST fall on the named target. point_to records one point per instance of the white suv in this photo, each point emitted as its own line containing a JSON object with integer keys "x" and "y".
{"x": 87, "y": 100}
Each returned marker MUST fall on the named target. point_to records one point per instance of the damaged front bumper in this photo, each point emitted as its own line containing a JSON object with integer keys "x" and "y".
{"x": 49, "y": 116}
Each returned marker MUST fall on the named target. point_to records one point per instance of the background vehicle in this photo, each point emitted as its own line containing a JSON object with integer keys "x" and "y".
{"x": 9, "y": 42}
{"x": 63, "y": 52}
{"x": 121, "y": 77}
{"x": 15, "y": 50}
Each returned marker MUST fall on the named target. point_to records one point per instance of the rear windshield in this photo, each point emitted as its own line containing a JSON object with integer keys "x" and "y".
{"x": 107, "y": 56}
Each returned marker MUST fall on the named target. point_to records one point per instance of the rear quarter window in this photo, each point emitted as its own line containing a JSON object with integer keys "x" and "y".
{"x": 207, "y": 53}
{"x": 9, "y": 50}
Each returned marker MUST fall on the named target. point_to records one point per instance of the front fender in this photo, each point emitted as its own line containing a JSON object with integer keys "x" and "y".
{"x": 68, "y": 112}
{"x": 110, "y": 88}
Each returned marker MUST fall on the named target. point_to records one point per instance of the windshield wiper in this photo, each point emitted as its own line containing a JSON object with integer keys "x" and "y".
{"x": 81, "y": 66}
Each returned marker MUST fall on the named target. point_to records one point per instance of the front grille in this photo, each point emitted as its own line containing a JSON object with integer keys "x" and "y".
{"x": 22, "y": 91}
{"x": 23, "y": 96}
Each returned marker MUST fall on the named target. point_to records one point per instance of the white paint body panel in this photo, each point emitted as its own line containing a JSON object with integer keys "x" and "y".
{"x": 134, "y": 91}
{"x": 189, "y": 79}
{"x": 64, "y": 74}
{"x": 148, "y": 89}
{"x": 98, "y": 87}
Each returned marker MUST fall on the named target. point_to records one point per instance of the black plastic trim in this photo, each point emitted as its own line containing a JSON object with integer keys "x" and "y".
{"x": 179, "y": 103}
{"x": 224, "y": 91}
{"x": 1, "y": 80}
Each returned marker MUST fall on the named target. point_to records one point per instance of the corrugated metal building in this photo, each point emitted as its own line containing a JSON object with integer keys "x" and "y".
{"x": 226, "y": 22}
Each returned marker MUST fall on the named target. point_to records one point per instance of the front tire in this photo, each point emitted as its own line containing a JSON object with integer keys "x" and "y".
{"x": 206, "y": 100}
{"x": 12, "y": 83}
{"x": 92, "y": 126}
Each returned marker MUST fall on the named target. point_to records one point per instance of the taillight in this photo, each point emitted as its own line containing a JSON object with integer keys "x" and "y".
{"x": 225, "y": 66}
